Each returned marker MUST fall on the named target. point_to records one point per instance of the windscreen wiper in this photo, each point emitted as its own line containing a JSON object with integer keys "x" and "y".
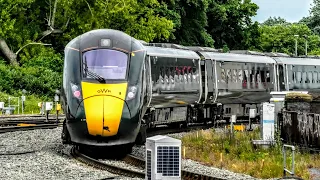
{"x": 92, "y": 74}
{"x": 96, "y": 76}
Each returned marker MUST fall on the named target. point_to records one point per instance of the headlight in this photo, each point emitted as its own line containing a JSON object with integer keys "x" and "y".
{"x": 76, "y": 92}
{"x": 132, "y": 91}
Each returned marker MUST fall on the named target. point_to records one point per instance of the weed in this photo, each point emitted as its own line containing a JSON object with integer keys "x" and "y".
{"x": 239, "y": 155}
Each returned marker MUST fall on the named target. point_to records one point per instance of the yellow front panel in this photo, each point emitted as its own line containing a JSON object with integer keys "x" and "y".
{"x": 103, "y": 105}
{"x": 112, "y": 115}
{"x": 93, "y": 108}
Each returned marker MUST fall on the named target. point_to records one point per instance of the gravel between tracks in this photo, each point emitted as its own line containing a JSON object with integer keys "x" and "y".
{"x": 51, "y": 159}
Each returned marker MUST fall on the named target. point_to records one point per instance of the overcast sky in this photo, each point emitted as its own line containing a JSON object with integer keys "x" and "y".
{"x": 291, "y": 10}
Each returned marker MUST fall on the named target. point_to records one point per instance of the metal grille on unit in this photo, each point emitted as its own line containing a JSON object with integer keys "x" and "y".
{"x": 148, "y": 165}
{"x": 163, "y": 159}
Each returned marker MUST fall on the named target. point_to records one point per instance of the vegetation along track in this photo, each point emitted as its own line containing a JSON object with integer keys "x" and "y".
{"x": 111, "y": 168}
{"x": 28, "y": 127}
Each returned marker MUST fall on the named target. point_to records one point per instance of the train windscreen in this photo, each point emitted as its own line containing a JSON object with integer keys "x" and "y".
{"x": 105, "y": 64}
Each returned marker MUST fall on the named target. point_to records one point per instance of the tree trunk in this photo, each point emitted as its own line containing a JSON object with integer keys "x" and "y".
{"x": 7, "y": 52}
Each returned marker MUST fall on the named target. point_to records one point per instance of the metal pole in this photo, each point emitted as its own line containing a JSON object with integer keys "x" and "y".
{"x": 250, "y": 127}
{"x": 22, "y": 106}
{"x": 306, "y": 47}
{"x": 57, "y": 112}
{"x": 18, "y": 105}
{"x": 296, "y": 47}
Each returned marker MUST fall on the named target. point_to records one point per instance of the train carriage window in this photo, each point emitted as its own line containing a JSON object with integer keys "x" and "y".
{"x": 258, "y": 76}
{"x": 223, "y": 75}
{"x": 263, "y": 76}
{"x": 304, "y": 77}
{"x": 105, "y": 64}
{"x": 246, "y": 75}
{"x": 234, "y": 75}
{"x": 268, "y": 76}
{"x": 315, "y": 77}
{"x": 309, "y": 78}
{"x": 240, "y": 75}
{"x": 251, "y": 76}
{"x": 294, "y": 77}
{"x": 229, "y": 75}
{"x": 299, "y": 77}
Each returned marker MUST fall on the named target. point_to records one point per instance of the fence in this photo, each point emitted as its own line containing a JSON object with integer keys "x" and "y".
{"x": 300, "y": 128}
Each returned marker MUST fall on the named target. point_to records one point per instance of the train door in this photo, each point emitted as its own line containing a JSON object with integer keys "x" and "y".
{"x": 144, "y": 99}
{"x": 281, "y": 78}
{"x": 148, "y": 80}
{"x": 204, "y": 78}
{"x": 210, "y": 78}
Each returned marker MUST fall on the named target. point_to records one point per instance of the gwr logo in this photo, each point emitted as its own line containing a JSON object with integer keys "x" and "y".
{"x": 103, "y": 91}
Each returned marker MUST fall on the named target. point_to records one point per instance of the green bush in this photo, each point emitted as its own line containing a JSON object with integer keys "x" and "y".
{"x": 36, "y": 80}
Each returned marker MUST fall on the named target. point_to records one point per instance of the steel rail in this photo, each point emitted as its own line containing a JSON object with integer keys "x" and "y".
{"x": 187, "y": 175}
{"x": 25, "y": 128}
{"x": 28, "y": 121}
{"x": 28, "y": 115}
{"x": 100, "y": 165}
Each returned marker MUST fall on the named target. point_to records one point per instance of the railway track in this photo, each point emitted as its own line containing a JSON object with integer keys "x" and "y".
{"x": 97, "y": 164}
{"x": 27, "y": 127}
{"x": 28, "y": 121}
{"x": 140, "y": 163}
{"x": 28, "y": 116}
{"x": 135, "y": 161}
{"x": 187, "y": 175}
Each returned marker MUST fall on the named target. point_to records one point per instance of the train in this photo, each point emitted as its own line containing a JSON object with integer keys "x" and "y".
{"x": 115, "y": 87}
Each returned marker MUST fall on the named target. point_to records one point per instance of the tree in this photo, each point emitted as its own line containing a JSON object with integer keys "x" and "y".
{"x": 72, "y": 17}
{"x": 280, "y": 38}
{"x": 230, "y": 23}
{"x": 190, "y": 21}
{"x": 313, "y": 21}
{"x": 275, "y": 21}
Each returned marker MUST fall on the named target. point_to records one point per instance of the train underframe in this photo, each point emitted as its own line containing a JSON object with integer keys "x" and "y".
{"x": 178, "y": 116}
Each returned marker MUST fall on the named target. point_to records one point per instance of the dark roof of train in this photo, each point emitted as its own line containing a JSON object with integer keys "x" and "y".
{"x": 298, "y": 60}
{"x": 233, "y": 57}
{"x": 171, "y": 53}
{"x": 91, "y": 39}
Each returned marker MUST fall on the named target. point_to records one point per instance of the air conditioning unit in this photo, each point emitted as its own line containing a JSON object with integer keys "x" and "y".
{"x": 163, "y": 158}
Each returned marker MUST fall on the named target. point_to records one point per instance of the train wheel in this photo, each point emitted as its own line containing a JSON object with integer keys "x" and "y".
{"x": 65, "y": 136}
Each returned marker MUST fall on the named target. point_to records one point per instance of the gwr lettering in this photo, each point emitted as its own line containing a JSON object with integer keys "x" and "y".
{"x": 103, "y": 91}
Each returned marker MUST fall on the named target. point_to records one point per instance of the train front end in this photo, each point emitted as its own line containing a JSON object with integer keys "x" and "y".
{"x": 101, "y": 89}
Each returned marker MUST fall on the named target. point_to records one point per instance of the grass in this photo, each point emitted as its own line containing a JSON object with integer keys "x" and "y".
{"x": 30, "y": 105}
{"x": 237, "y": 154}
